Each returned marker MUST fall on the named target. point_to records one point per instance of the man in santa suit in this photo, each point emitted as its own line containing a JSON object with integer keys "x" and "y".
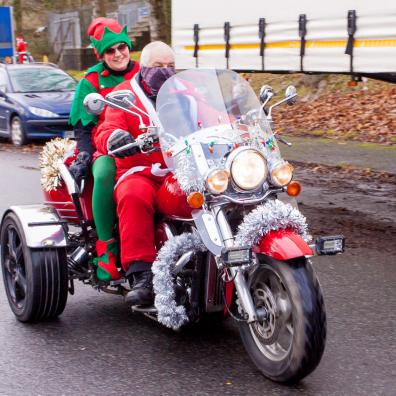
{"x": 138, "y": 175}
{"x": 21, "y": 47}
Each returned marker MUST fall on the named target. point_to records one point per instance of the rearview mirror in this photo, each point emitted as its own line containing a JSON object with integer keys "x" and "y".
{"x": 94, "y": 103}
{"x": 123, "y": 98}
{"x": 266, "y": 93}
{"x": 291, "y": 95}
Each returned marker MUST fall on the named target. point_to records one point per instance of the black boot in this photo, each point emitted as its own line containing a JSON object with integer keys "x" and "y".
{"x": 142, "y": 289}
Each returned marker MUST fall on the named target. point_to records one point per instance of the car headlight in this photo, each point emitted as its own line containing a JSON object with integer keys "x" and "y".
{"x": 249, "y": 169}
{"x": 282, "y": 174}
{"x": 217, "y": 181}
{"x": 42, "y": 112}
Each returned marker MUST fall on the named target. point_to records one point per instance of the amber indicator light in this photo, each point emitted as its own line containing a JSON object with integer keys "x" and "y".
{"x": 293, "y": 188}
{"x": 195, "y": 200}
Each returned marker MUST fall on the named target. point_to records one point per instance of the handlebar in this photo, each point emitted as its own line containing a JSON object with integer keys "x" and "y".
{"x": 127, "y": 146}
{"x": 144, "y": 142}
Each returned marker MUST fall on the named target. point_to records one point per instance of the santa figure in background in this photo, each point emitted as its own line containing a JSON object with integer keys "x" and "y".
{"x": 22, "y": 49}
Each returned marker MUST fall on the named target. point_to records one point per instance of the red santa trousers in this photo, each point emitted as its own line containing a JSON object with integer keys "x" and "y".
{"x": 135, "y": 197}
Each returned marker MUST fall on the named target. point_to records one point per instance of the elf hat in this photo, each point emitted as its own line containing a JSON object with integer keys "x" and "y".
{"x": 105, "y": 32}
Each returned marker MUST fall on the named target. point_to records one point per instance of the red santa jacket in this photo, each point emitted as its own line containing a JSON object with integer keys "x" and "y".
{"x": 118, "y": 119}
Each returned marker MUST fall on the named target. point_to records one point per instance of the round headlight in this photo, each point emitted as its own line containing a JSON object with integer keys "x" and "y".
{"x": 217, "y": 181}
{"x": 282, "y": 174}
{"x": 249, "y": 169}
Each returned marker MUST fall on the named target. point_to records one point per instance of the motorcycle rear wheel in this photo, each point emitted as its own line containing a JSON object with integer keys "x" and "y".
{"x": 35, "y": 280}
{"x": 289, "y": 344}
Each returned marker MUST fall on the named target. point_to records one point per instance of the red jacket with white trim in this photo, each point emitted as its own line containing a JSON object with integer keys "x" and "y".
{"x": 118, "y": 119}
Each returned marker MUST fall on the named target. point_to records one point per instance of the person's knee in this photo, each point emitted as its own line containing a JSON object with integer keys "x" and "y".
{"x": 104, "y": 176}
{"x": 139, "y": 194}
{"x": 135, "y": 196}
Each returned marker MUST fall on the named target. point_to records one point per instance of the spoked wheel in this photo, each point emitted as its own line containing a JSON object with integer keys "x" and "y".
{"x": 17, "y": 134}
{"x": 288, "y": 344}
{"x": 35, "y": 280}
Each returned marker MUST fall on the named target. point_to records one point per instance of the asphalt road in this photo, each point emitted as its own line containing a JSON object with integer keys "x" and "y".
{"x": 99, "y": 347}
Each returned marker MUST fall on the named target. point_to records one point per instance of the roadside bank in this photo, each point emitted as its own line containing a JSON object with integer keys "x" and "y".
{"x": 341, "y": 154}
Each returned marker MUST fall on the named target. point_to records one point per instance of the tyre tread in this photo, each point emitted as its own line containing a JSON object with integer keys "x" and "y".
{"x": 48, "y": 279}
{"x": 302, "y": 363}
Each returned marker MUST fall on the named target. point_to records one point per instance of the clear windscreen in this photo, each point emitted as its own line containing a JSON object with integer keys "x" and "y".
{"x": 198, "y": 99}
{"x": 216, "y": 110}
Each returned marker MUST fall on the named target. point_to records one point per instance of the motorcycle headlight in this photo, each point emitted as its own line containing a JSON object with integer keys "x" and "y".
{"x": 249, "y": 169}
{"x": 282, "y": 174}
{"x": 217, "y": 181}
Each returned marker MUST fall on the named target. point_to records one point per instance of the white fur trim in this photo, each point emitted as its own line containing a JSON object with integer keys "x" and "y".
{"x": 130, "y": 172}
{"x": 156, "y": 170}
{"x": 146, "y": 102}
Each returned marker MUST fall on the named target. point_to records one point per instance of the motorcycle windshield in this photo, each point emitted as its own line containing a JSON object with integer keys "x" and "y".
{"x": 217, "y": 109}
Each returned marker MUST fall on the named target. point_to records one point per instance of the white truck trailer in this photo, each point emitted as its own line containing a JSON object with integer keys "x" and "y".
{"x": 356, "y": 37}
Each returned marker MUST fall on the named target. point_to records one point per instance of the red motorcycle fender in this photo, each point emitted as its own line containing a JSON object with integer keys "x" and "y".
{"x": 283, "y": 245}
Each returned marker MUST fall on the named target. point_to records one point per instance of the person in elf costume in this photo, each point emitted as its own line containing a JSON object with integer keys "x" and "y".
{"x": 139, "y": 175}
{"x": 112, "y": 48}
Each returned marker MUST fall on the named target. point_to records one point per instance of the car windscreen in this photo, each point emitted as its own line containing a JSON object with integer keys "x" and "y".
{"x": 40, "y": 79}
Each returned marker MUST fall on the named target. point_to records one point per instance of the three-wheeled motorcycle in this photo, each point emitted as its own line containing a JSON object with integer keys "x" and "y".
{"x": 227, "y": 244}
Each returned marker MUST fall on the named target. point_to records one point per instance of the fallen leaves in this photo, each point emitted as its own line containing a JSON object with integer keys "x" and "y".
{"x": 29, "y": 148}
{"x": 360, "y": 116}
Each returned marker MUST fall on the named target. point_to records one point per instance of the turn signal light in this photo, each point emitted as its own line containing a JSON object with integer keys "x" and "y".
{"x": 195, "y": 200}
{"x": 293, "y": 188}
{"x": 282, "y": 174}
{"x": 217, "y": 181}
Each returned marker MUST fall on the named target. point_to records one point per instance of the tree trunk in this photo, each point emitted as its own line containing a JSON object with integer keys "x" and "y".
{"x": 17, "y": 4}
{"x": 160, "y": 20}
{"x": 98, "y": 8}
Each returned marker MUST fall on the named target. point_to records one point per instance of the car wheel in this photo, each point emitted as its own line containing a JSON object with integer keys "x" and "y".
{"x": 17, "y": 135}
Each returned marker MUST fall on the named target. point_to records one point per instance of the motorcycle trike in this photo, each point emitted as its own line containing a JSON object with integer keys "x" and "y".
{"x": 227, "y": 244}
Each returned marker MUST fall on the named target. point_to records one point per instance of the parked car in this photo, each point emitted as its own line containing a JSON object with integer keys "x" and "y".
{"x": 35, "y": 101}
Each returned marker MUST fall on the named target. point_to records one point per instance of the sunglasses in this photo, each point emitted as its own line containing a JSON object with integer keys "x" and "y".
{"x": 112, "y": 51}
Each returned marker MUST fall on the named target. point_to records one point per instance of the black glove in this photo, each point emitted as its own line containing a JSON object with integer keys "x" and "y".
{"x": 79, "y": 169}
{"x": 118, "y": 139}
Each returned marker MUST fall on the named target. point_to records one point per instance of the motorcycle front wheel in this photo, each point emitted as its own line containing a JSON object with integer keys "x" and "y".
{"x": 289, "y": 343}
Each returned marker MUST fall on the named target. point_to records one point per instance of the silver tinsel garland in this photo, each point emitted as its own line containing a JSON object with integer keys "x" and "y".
{"x": 169, "y": 313}
{"x": 273, "y": 215}
{"x": 187, "y": 174}
{"x": 53, "y": 151}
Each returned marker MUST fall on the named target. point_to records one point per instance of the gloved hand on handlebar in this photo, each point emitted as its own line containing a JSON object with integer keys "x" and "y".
{"x": 79, "y": 169}
{"x": 118, "y": 139}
